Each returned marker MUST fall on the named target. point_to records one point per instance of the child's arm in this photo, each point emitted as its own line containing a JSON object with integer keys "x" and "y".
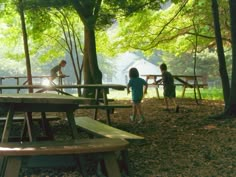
{"x": 128, "y": 89}
{"x": 60, "y": 73}
{"x": 145, "y": 89}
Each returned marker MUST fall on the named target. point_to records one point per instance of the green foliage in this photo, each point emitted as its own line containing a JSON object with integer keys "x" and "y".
{"x": 206, "y": 63}
{"x": 173, "y": 29}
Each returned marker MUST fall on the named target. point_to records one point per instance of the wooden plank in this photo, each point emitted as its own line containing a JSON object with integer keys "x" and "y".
{"x": 104, "y": 130}
{"x": 94, "y": 86}
{"x": 110, "y": 106}
{"x": 81, "y": 146}
{"x": 111, "y": 165}
{"x": 13, "y": 167}
{"x": 40, "y": 98}
{"x": 20, "y": 119}
{"x": 8, "y": 124}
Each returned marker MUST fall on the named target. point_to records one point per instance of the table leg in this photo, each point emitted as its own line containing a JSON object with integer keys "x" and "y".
{"x": 29, "y": 123}
{"x": 157, "y": 91}
{"x": 8, "y": 124}
{"x": 71, "y": 121}
{"x": 125, "y": 159}
{"x": 5, "y": 136}
{"x": 106, "y": 103}
{"x": 97, "y": 102}
{"x": 184, "y": 88}
{"x": 12, "y": 167}
{"x": 46, "y": 127}
{"x": 111, "y": 164}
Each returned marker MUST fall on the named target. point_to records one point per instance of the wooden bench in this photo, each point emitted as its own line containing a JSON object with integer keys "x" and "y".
{"x": 21, "y": 119}
{"x": 103, "y": 130}
{"x": 16, "y": 152}
{"x": 109, "y": 107}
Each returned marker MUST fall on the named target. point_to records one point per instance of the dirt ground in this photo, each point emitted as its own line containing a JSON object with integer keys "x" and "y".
{"x": 184, "y": 144}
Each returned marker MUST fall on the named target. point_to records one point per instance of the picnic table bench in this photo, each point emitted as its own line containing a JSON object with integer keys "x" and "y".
{"x": 12, "y": 154}
{"x": 103, "y": 130}
{"x": 15, "y": 153}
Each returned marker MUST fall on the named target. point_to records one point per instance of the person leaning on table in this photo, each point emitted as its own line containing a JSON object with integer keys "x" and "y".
{"x": 57, "y": 69}
{"x": 169, "y": 87}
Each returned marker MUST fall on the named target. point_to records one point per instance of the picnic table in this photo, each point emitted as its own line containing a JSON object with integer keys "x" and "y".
{"x": 100, "y": 100}
{"x": 43, "y": 102}
{"x": 25, "y": 80}
{"x": 28, "y": 103}
{"x": 187, "y": 81}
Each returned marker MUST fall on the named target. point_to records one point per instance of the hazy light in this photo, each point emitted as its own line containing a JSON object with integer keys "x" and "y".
{"x": 46, "y": 82}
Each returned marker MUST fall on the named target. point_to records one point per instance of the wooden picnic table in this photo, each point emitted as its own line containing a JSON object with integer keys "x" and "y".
{"x": 98, "y": 102}
{"x": 187, "y": 81}
{"x": 44, "y": 102}
{"x": 38, "y": 102}
{"x": 18, "y": 78}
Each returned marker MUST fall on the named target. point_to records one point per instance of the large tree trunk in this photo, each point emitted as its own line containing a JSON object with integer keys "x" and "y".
{"x": 92, "y": 73}
{"x": 220, "y": 52}
{"x": 88, "y": 12}
{"x": 231, "y": 106}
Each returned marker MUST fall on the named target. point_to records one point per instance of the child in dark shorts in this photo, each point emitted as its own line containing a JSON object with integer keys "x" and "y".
{"x": 57, "y": 69}
{"x": 169, "y": 87}
{"x": 139, "y": 87}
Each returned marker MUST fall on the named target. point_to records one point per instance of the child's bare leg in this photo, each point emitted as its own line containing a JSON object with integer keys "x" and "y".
{"x": 176, "y": 105}
{"x": 166, "y": 102}
{"x": 173, "y": 101}
{"x": 134, "y": 111}
{"x": 139, "y": 108}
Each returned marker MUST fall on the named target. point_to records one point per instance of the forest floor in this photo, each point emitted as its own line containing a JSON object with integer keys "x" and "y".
{"x": 184, "y": 144}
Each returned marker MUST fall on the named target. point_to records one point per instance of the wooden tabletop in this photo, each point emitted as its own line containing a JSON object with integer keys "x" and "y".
{"x": 95, "y": 86}
{"x": 39, "y": 98}
{"x": 22, "y": 77}
{"x": 174, "y": 75}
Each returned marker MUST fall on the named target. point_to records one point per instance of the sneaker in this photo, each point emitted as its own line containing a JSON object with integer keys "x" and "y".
{"x": 177, "y": 109}
{"x": 132, "y": 118}
{"x": 141, "y": 120}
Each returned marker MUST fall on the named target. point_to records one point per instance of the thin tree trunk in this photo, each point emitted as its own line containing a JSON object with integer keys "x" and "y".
{"x": 26, "y": 48}
{"x": 220, "y": 52}
{"x": 231, "y": 106}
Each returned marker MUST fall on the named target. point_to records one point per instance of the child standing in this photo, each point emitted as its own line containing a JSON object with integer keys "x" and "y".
{"x": 138, "y": 87}
{"x": 169, "y": 87}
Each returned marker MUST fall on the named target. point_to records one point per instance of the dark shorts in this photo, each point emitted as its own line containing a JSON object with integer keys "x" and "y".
{"x": 53, "y": 74}
{"x": 136, "y": 101}
{"x": 169, "y": 91}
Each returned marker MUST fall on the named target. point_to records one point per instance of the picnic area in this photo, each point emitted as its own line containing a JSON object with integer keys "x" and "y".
{"x": 176, "y": 144}
{"x": 85, "y": 84}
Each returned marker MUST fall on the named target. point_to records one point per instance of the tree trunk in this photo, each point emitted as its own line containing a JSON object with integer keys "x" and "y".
{"x": 92, "y": 73}
{"x": 220, "y": 52}
{"x": 231, "y": 106}
{"x": 26, "y": 48}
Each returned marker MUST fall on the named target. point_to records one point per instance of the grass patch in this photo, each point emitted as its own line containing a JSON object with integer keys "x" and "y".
{"x": 206, "y": 93}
